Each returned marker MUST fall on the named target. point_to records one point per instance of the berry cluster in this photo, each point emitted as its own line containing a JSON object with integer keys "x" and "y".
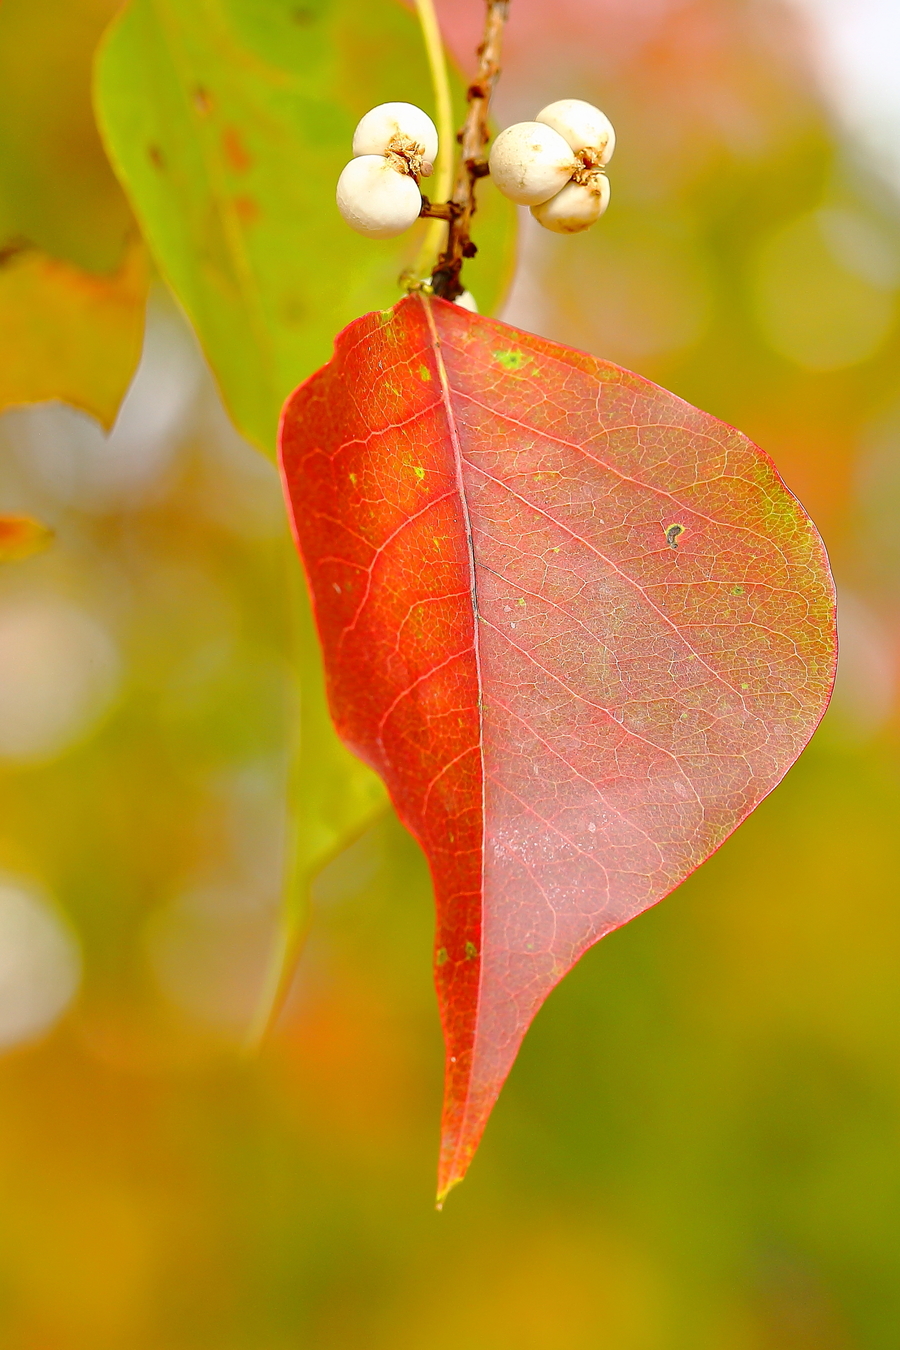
{"x": 393, "y": 147}
{"x": 555, "y": 164}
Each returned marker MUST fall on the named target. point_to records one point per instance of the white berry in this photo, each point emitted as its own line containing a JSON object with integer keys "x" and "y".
{"x": 584, "y": 128}
{"x": 530, "y": 162}
{"x": 399, "y": 127}
{"x": 377, "y": 200}
{"x": 576, "y": 207}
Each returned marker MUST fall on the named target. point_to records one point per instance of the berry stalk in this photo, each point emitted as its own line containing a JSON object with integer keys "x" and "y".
{"x": 473, "y": 138}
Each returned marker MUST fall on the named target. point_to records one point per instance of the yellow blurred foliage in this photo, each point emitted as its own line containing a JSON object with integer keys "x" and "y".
{"x": 72, "y": 281}
{"x": 57, "y": 190}
{"x": 70, "y": 334}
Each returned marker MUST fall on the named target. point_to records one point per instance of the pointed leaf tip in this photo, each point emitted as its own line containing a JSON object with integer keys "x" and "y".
{"x": 579, "y": 627}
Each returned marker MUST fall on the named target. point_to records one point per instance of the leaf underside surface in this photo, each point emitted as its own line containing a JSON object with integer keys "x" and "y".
{"x": 579, "y": 627}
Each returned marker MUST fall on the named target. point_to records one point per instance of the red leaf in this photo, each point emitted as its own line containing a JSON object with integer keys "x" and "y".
{"x": 580, "y": 629}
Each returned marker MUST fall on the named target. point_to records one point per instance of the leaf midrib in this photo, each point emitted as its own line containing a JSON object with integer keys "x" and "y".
{"x": 446, "y": 399}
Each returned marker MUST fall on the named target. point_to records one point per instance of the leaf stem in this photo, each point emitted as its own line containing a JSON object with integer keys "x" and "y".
{"x": 472, "y": 166}
{"x": 434, "y": 242}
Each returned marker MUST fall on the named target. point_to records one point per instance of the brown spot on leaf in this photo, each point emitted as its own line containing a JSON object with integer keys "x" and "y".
{"x": 236, "y": 153}
{"x": 672, "y": 533}
{"x": 203, "y": 100}
{"x": 12, "y": 248}
{"x": 247, "y": 209}
{"x": 294, "y": 310}
{"x": 155, "y": 155}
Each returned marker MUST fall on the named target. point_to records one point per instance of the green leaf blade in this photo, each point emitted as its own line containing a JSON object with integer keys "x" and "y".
{"x": 228, "y": 127}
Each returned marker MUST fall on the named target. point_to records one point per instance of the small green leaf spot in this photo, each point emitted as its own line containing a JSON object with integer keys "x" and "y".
{"x": 520, "y": 601}
{"x": 471, "y": 951}
{"x": 442, "y": 955}
{"x": 424, "y": 374}
{"x": 353, "y": 479}
{"x": 511, "y": 360}
{"x": 745, "y": 686}
{"x": 737, "y": 590}
{"x": 418, "y": 471}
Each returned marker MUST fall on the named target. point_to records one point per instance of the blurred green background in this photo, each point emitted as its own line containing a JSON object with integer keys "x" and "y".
{"x": 698, "y": 1148}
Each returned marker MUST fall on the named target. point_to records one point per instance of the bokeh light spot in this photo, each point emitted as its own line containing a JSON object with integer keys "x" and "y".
{"x": 39, "y": 965}
{"x": 208, "y": 950}
{"x": 823, "y": 290}
{"x": 630, "y": 292}
{"x": 59, "y": 671}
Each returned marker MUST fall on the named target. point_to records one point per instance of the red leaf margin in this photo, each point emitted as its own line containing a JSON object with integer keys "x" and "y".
{"x": 445, "y": 476}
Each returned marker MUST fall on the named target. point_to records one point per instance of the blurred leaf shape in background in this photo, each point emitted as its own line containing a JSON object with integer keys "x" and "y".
{"x": 68, "y": 333}
{"x": 72, "y": 283}
{"x": 57, "y": 190}
{"x": 332, "y": 795}
{"x": 228, "y": 125}
{"x": 20, "y": 536}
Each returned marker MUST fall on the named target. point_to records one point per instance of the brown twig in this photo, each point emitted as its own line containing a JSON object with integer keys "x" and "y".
{"x": 473, "y": 138}
{"x": 439, "y": 210}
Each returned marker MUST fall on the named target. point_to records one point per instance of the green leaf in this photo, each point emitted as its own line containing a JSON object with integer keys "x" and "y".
{"x": 334, "y": 796}
{"x": 228, "y": 124}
